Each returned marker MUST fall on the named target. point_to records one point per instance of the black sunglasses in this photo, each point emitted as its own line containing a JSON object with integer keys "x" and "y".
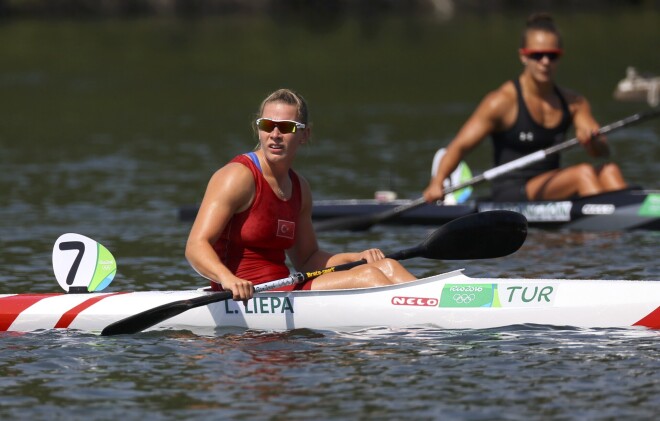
{"x": 537, "y": 55}
{"x": 284, "y": 126}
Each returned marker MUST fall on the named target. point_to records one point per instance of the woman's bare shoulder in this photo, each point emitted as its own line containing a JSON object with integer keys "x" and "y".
{"x": 503, "y": 96}
{"x": 497, "y": 103}
{"x": 231, "y": 178}
{"x": 234, "y": 169}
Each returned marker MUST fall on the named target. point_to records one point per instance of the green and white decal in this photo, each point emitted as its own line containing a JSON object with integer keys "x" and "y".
{"x": 81, "y": 264}
{"x": 524, "y": 294}
{"x": 469, "y": 295}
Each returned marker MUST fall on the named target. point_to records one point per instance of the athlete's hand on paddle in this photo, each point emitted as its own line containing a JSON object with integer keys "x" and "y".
{"x": 439, "y": 187}
{"x": 434, "y": 191}
{"x": 242, "y": 289}
{"x": 371, "y": 255}
{"x": 594, "y": 142}
{"x": 589, "y": 133}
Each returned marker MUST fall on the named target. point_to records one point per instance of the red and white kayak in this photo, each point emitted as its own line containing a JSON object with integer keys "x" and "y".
{"x": 450, "y": 300}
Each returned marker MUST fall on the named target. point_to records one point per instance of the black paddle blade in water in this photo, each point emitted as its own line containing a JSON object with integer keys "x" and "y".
{"x": 484, "y": 235}
{"x": 146, "y": 319}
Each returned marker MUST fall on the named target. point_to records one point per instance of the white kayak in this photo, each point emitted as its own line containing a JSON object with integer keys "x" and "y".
{"x": 450, "y": 301}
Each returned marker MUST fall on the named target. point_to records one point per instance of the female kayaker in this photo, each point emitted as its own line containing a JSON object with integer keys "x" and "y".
{"x": 257, "y": 209}
{"x": 528, "y": 114}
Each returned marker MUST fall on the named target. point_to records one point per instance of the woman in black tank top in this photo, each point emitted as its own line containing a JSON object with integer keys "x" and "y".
{"x": 528, "y": 114}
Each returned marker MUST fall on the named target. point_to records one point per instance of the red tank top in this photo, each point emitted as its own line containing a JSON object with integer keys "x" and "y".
{"x": 254, "y": 241}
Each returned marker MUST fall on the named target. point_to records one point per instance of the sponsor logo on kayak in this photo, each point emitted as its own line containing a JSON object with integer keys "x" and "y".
{"x": 535, "y": 212}
{"x": 469, "y": 295}
{"x": 496, "y": 295}
{"x": 415, "y": 301}
{"x": 598, "y": 209}
{"x": 261, "y": 305}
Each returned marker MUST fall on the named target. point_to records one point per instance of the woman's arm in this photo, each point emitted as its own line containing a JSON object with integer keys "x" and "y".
{"x": 586, "y": 126}
{"x": 486, "y": 118}
{"x": 230, "y": 190}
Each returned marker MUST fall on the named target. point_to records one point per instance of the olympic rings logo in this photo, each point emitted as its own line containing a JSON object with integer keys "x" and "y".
{"x": 464, "y": 298}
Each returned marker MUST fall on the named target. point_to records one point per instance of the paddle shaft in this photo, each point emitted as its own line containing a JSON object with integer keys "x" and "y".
{"x": 364, "y": 222}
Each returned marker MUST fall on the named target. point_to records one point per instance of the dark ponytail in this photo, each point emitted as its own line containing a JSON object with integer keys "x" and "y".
{"x": 539, "y": 22}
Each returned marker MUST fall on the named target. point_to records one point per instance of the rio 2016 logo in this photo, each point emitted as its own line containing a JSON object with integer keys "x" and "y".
{"x": 469, "y": 295}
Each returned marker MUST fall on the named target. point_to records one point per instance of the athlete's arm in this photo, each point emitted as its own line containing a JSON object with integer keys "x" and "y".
{"x": 487, "y": 118}
{"x": 586, "y": 127}
{"x": 230, "y": 190}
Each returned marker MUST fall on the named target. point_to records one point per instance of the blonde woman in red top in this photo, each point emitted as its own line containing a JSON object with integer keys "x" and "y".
{"x": 257, "y": 209}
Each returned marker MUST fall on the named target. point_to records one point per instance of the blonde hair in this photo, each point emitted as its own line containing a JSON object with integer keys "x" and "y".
{"x": 289, "y": 97}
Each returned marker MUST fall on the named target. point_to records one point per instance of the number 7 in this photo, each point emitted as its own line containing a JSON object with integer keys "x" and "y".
{"x": 73, "y": 245}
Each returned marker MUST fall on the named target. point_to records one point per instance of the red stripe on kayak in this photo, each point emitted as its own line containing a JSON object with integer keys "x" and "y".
{"x": 68, "y": 317}
{"x": 652, "y": 320}
{"x": 12, "y": 307}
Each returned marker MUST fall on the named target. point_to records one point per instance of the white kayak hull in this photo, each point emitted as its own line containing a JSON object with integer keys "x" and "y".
{"x": 450, "y": 301}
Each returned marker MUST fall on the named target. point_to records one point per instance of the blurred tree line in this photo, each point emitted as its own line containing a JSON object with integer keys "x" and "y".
{"x": 296, "y": 8}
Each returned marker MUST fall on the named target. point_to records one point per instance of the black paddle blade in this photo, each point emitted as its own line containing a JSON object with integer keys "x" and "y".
{"x": 146, "y": 319}
{"x": 484, "y": 235}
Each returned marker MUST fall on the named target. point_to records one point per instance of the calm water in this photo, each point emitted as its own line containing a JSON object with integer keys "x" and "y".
{"x": 107, "y": 127}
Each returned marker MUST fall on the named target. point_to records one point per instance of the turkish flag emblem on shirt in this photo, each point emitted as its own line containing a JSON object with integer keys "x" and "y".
{"x": 285, "y": 229}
